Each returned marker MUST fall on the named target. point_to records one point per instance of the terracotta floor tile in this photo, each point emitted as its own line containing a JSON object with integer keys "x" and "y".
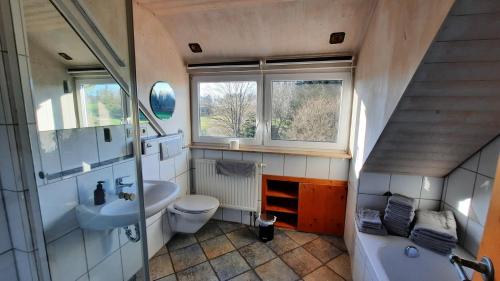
{"x": 181, "y": 240}
{"x": 281, "y": 243}
{"x": 276, "y": 270}
{"x": 217, "y": 246}
{"x": 168, "y": 278}
{"x": 247, "y": 276}
{"x": 201, "y": 272}
{"x": 160, "y": 266}
{"x": 242, "y": 237}
{"x": 209, "y": 230}
{"x": 301, "y": 261}
{"x": 338, "y": 242}
{"x": 186, "y": 257}
{"x": 342, "y": 266}
{"x": 227, "y": 227}
{"x": 322, "y": 250}
{"x": 323, "y": 274}
{"x": 257, "y": 254}
{"x": 229, "y": 265}
{"x": 301, "y": 237}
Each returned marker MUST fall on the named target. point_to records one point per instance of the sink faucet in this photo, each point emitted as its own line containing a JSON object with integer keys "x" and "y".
{"x": 485, "y": 267}
{"x": 119, "y": 185}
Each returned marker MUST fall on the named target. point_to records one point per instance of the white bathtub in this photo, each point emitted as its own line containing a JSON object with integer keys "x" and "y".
{"x": 382, "y": 258}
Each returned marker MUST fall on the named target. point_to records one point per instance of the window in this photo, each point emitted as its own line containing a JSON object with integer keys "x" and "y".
{"x": 308, "y": 110}
{"x": 101, "y": 102}
{"x": 226, "y": 108}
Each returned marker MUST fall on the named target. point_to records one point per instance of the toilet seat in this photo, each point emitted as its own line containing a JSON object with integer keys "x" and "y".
{"x": 196, "y": 204}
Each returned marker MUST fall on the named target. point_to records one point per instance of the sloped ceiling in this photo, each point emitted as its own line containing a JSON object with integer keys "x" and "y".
{"x": 452, "y": 106}
{"x": 232, "y": 29}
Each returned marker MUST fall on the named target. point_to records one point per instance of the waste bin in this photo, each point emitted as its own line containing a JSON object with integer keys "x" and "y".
{"x": 266, "y": 227}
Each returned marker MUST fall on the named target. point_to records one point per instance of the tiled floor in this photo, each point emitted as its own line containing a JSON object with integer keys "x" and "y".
{"x": 230, "y": 251}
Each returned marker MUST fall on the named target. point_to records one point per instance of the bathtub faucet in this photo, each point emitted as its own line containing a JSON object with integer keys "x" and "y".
{"x": 485, "y": 267}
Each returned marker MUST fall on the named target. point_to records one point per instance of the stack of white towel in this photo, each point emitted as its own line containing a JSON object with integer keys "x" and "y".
{"x": 368, "y": 221}
{"x": 399, "y": 214}
{"x": 436, "y": 231}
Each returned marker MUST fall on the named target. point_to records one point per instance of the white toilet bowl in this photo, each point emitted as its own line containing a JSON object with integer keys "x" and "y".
{"x": 189, "y": 213}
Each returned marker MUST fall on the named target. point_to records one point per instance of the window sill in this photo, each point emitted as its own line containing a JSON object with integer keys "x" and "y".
{"x": 269, "y": 149}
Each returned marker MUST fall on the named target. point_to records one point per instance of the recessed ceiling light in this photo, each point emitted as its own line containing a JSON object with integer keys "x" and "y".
{"x": 337, "y": 37}
{"x": 65, "y": 56}
{"x": 195, "y": 47}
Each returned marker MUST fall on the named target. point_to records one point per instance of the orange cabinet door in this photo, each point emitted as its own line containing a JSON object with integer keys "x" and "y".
{"x": 322, "y": 208}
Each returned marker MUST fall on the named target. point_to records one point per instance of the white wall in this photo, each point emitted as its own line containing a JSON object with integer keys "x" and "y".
{"x": 468, "y": 193}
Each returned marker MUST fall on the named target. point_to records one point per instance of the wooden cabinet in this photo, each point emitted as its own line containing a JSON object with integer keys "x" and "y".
{"x": 311, "y": 205}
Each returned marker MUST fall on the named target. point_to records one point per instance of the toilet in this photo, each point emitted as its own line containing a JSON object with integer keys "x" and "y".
{"x": 189, "y": 213}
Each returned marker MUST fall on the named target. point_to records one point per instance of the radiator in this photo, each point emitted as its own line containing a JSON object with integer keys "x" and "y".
{"x": 233, "y": 192}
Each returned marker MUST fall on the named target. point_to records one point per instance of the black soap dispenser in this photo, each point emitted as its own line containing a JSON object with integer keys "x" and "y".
{"x": 99, "y": 196}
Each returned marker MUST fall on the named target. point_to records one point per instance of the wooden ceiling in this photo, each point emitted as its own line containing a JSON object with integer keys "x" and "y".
{"x": 452, "y": 106}
{"x": 235, "y": 29}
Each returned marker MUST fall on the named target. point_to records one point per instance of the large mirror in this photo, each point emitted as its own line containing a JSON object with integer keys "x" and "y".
{"x": 84, "y": 157}
{"x": 162, "y": 100}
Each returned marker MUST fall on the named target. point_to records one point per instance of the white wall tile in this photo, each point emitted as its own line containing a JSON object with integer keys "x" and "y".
{"x": 166, "y": 229}
{"x": 460, "y": 188}
{"x": 481, "y": 199}
{"x": 84, "y": 277}
{"x": 213, "y": 154}
{"x": 8, "y": 266}
{"x": 232, "y": 155}
{"x": 295, "y": 166}
{"x": 369, "y": 201}
{"x": 108, "y": 270}
{"x": 231, "y": 215}
{"x": 87, "y": 183}
{"x": 406, "y": 185}
{"x": 67, "y": 257}
{"x": 19, "y": 224}
{"x": 427, "y": 204}
{"x": 99, "y": 244}
{"x": 488, "y": 159}
{"x": 167, "y": 169}
{"x": 153, "y": 218}
{"x": 151, "y": 166}
{"x": 127, "y": 171}
{"x": 49, "y": 152}
{"x": 26, "y": 87}
{"x": 374, "y": 183}
{"x": 183, "y": 182}
{"x": 218, "y": 214}
{"x": 131, "y": 255}
{"x": 473, "y": 237}
{"x": 432, "y": 188}
{"x": 116, "y": 147}
{"x": 7, "y": 177}
{"x": 181, "y": 163}
{"x": 35, "y": 152}
{"x": 318, "y": 167}
{"x": 339, "y": 169}
{"x": 471, "y": 163}
{"x": 4, "y": 228}
{"x": 57, "y": 205}
{"x": 26, "y": 265}
{"x": 246, "y": 217}
{"x": 78, "y": 147}
{"x": 155, "y": 238}
{"x": 197, "y": 154}
{"x": 274, "y": 164}
{"x": 252, "y": 156}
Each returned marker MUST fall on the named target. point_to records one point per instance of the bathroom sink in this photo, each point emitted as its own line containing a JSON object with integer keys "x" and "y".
{"x": 119, "y": 212}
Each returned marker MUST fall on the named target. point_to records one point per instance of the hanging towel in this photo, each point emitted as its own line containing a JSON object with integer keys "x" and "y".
{"x": 235, "y": 168}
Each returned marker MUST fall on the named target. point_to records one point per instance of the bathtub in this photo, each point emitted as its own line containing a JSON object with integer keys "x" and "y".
{"x": 382, "y": 258}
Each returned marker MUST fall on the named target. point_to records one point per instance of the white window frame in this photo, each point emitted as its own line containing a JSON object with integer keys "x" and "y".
{"x": 344, "y": 118}
{"x": 81, "y": 101}
{"x": 195, "y": 82}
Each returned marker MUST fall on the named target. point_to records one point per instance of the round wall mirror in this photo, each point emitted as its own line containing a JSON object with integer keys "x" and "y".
{"x": 162, "y": 100}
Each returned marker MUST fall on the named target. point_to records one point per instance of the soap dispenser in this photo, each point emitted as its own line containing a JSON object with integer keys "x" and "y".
{"x": 99, "y": 195}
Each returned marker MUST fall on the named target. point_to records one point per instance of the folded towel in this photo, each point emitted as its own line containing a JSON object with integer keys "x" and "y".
{"x": 368, "y": 216}
{"x": 235, "y": 168}
{"x": 391, "y": 213}
{"x": 432, "y": 244}
{"x": 381, "y": 231}
{"x": 438, "y": 225}
{"x": 403, "y": 201}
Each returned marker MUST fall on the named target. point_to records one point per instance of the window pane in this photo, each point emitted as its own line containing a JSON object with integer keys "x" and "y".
{"x": 306, "y": 110}
{"x": 228, "y": 109}
{"x": 101, "y": 104}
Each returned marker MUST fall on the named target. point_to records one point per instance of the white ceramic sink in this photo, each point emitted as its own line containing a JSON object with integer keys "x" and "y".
{"x": 119, "y": 212}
